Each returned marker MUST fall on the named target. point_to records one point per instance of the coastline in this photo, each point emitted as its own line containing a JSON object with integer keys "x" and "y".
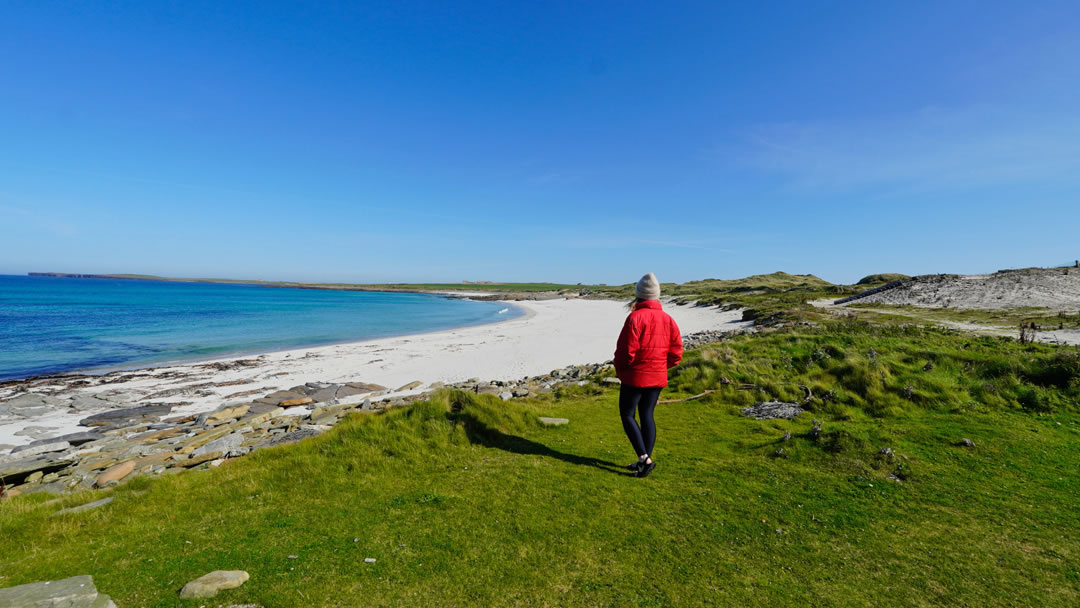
{"x": 550, "y": 334}
{"x": 111, "y": 369}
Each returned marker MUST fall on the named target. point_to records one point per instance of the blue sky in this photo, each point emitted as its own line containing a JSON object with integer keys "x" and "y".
{"x": 585, "y": 141}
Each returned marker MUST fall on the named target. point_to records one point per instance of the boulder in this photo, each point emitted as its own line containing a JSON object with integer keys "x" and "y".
{"x": 506, "y": 395}
{"x": 208, "y": 585}
{"x": 115, "y": 473}
{"x": 74, "y": 592}
{"x": 127, "y": 416}
{"x": 410, "y": 386}
{"x": 554, "y": 421}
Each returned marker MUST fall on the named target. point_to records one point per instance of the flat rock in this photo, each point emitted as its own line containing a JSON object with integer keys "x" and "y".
{"x": 256, "y": 409}
{"x": 346, "y": 391}
{"x": 768, "y": 410}
{"x": 553, "y": 421}
{"x": 49, "y": 445}
{"x": 197, "y": 459}
{"x": 365, "y": 387}
{"x": 36, "y": 432}
{"x": 126, "y": 416}
{"x": 115, "y": 473}
{"x": 35, "y": 400}
{"x": 287, "y": 438}
{"x": 74, "y": 592}
{"x": 13, "y": 471}
{"x": 208, "y": 585}
{"x": 87, "y": 507}
{"x": 410, "y": 386}
{"x": 611, "y": 380}
{"x": 223, "y": 414}
{"x": 73, "y": 438}
{"x": 325, "y": 394}
{"x": 279, "y": 397}
{"x": 224, "y": 445}
{"x": 86, "y": 403}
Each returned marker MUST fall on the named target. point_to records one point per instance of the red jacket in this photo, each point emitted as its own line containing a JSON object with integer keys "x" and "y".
{"x": 649, "y": 344}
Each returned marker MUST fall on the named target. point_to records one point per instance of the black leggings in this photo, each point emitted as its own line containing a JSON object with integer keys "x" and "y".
{"x": 633, "y": 398}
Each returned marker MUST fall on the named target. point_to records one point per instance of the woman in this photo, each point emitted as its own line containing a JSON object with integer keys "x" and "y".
{"x": 649, "y": 344}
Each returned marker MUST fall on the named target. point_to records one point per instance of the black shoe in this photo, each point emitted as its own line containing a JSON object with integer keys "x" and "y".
{"x": 634, "y": 466}
{"x": 645, "y": 469}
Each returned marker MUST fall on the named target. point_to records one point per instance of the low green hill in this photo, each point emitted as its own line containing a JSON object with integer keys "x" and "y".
{"x": 886, "y": 277}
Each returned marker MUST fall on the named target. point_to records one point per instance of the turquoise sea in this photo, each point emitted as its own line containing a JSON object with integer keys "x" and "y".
{"x": 57, "y": 325}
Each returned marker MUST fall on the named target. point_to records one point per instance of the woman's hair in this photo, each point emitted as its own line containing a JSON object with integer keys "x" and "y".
{"x": 633, "y": 303}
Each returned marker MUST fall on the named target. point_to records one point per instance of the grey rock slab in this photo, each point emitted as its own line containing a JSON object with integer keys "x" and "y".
{"x": 208, "y": 585}
{"x": 326, "y": 394}
{"x": 276, "y": 397}
{"x": 126, "y": 416}
{"x": 74, "y": 592}
{"x": 554, "y": 421}
{"x": 506, "y": 395}
{"x": 30, "y": 411}
{"x": 73, "y": 438}
{"x": 13, "y": 471}
{"x": 87, "y": 507}
{"x": 366, "y": 387}
{"x": 225, "y": 445}
{"x": 36, "y": 432}
{"x": 86, "y": 403}
{"x": 348, "y": 391}
{"x": 287, "y": 438}
{"x": 45, "y": 447}
{"x": 35, "y": 400}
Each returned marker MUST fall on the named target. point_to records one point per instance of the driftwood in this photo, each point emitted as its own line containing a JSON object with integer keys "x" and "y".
{"x": 745, "y": 387}
{"x": 688, "y": 398}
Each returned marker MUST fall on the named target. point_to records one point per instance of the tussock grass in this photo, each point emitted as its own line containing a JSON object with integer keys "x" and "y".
{"x": 467, "y": 501}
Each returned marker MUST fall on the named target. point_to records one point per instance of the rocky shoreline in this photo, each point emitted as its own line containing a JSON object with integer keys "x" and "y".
{"x": 122, "y": 443}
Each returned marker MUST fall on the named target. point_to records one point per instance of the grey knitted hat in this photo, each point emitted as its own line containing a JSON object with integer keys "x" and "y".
{"x": 648, "y": 288}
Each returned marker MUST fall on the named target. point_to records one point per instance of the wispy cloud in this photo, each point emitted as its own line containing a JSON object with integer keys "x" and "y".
{"x": 933, "y": 149}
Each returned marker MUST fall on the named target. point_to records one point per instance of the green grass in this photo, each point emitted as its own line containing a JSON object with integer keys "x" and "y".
{"x": 1011, "y": 317}
{"x": 467, "y": 501}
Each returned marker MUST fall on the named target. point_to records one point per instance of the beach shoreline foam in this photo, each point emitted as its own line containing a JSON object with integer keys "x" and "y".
{"x": 551, "y": 334}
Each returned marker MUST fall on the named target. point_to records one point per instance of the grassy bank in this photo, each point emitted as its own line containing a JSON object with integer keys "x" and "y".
{"x": 467, "y": 501}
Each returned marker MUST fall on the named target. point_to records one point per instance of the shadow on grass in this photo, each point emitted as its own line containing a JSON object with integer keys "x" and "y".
{"x": 482, "y": 434}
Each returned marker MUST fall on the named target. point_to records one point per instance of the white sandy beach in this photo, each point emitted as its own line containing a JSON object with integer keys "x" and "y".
{"x": 553, "y": 334}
